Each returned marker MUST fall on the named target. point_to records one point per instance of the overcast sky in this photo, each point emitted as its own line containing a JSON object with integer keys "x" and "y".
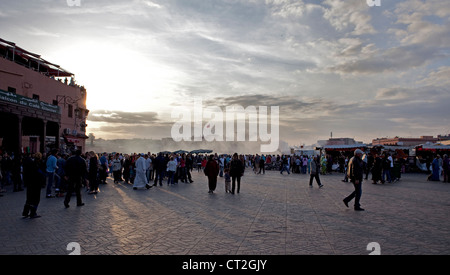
{"x": 331, "y": 66}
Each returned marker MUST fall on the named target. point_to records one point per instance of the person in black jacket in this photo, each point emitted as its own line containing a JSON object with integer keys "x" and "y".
{"x": 189, "y": 167}
{"x": 75, "y": 171}
{"x": 30, "y": 177}
{"x": 159, "y": 165}
{"x": 236, "y": 172}
{"x": 355, "y": 173}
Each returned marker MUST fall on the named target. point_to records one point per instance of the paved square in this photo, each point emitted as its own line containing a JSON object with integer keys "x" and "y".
{"x": 273, "y": 215}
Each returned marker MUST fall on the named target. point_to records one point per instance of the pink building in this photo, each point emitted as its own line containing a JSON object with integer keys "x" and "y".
{"x": 40, "y": 105}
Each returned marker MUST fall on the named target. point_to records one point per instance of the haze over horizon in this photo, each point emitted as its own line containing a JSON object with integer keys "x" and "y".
{"x": 330, "y": 66}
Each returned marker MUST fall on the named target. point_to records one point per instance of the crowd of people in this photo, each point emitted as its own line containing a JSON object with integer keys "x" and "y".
{"x": 67, "y": 175}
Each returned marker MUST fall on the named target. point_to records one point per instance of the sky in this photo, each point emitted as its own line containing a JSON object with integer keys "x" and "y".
{"x": 331, "y": 66}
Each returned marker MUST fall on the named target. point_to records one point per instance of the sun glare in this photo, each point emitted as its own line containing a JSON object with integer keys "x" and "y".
{"x": 118, "y": 78}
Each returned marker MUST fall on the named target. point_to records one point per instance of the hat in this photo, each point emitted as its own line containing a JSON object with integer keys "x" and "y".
{"x": 358, "y": 151}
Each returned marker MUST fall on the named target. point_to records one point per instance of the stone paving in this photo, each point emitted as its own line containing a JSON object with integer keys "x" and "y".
{"x": 273, "y": 215}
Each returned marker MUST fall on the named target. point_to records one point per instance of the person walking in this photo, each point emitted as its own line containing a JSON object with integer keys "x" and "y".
{"x": 60, "y": 185}
{"x": 386, "y": 169}
{"x": 148, "y": 165}
{"x": 93, "y": 173}
{"x": 446, "y": 168}
{"x": 314, "y": 172}
{"x": 369, "y": 166}
{"x": 140, "y": 180}
{"x": 51, "y": 169}
{"x": 377, "y": 169}
{"x": 227, "y": 180}
{"x": 435, "y": 173}
{"x": 212, "y": 171}
{"x": 159, "y": 167}
{"x": 355, "y": 173}
{"x": 221, "y": 165}
{"x": 261, "y": 165}
{"x": 30, "y": 176}
{"x": 117, "y": 168}
{"x": 75, "y": 171}
{"x": 189, "y": 167}
{"x": 103, "y": 169}
{"x": 171, "y": 170}
{"x": 17, "y": 173}
{"x": 285, "y": 165}
{"x": 236, "y": 172}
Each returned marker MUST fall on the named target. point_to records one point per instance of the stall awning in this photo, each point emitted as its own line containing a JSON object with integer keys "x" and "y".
{"x": 433, "y": 147}
{"x": 348, "y": 147}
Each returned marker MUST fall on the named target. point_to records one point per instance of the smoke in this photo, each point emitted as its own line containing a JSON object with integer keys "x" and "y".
{"x": 128, "y": 146}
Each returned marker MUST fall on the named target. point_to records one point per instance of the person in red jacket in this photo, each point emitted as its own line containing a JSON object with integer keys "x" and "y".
{"x": 212, "y": 171}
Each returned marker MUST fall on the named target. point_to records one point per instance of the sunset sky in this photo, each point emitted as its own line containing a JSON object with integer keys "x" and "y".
{"x": 331, "y": 66}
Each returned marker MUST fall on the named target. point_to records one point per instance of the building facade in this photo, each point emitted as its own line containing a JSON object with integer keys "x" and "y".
{"x": 404, "y": 141}
{"x": 338, "y": 141}
{"x": 41, "y": 107}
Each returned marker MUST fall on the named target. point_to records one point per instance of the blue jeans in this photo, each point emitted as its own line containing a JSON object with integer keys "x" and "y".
{"x": 170, "y": 177}
{"x": 285, "y": 168}
{"x": 387, "y": 172}
{"x": 6, "y": 180}
{"x": 147, "y": 175}
{"x": 50, "y": 180}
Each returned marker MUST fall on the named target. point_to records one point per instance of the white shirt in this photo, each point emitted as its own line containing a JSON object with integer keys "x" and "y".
{"x": 148, "y": 163}
{"x": 141, "y": 164}
{"x": 172, "y": 166}
{"x": 391, "y": 160}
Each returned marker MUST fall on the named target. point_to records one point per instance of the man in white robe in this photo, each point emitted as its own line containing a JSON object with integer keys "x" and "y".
{"x": 140, "y": 181}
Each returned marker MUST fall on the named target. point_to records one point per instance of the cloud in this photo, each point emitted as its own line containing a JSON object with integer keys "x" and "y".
{"x": 122, "y": 125}
{"x": 329, "y": 65}
{"x": 151, "y": 4}
{"x": 392, "y": 93}
{"x": 390, "y": 60}
{"x": 421, "y": 33}
{"x": 424, "y": 23}
{"x": 439, "y": 77}
{"x": 286, "y": 8}
{"x": 349, "y": 15}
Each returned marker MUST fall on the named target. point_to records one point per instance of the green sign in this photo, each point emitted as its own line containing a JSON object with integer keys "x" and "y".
{"x": 28, "y": 102}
